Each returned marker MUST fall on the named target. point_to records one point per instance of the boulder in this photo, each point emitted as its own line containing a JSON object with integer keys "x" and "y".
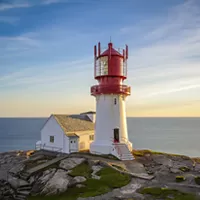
{"x": 190, "y": 179}
{"x": 176, "y": 171}
{"x": 77, "y": 179}
{"x": 40, "y": 180}
{"x": 70, "y": 163}
{"x": 16, "y": 182}
{"x": 80, "y": 185}
{"x": 95, "y": 169}
{"x": 57, "y": 184}
{"x": 47, "y": 175}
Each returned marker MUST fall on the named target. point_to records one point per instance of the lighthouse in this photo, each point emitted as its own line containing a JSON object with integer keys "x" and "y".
{"x": 110, "y": 70}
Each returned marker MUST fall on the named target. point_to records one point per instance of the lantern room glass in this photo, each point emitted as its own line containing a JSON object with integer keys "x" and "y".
{"x": 102, "y": 66}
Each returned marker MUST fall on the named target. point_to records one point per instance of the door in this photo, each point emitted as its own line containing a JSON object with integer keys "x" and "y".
{"x": 116, "y": 134}
{"x": 73, "y": 144}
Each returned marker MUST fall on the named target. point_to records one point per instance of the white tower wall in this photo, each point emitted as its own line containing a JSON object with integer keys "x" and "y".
{"x": 108, "y": 117}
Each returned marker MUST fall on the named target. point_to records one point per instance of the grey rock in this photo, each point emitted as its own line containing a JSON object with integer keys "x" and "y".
{"x": 78, "y": 179}
{"x": 80, "y": 185}
{"x": 57, "y": 184}
{"x": 70, "y": 163}
{"x": 6, "y": 191}
{"x": 197, "y": 167}
{"x": 95, "y": 169}
{"x": 16, "y": 182}
{"x": 162, "y": 160}
{"x": 176, "y": 171}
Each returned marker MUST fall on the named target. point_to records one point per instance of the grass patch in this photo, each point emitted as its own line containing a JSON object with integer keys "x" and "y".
{"x": 110, "y": 179}
{"x": 113, "y": 178}
{"x": 81, "y": 170}
{"x": 197, "y": 180}
{"x": 180, "y": 178}
{"x": 197, "y": 160}
{"x": 147, "y": 151}
{"x": 166, "y": 194}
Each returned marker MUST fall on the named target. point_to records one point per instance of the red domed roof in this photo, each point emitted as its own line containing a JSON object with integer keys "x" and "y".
{"x": 113, "y": 52}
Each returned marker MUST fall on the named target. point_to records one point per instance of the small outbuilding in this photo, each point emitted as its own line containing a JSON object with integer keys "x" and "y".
{"x": 67, "y": 133}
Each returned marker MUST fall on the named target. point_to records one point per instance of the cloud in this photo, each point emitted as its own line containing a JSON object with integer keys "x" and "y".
{"x": 47, "y": 2}
{"x": 189, "y": 87}
{"x": 6, "y": 6}
{"x": 167, "y": 56}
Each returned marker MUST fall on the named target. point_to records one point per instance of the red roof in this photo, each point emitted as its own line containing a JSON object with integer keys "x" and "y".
{"x": 113, "y": 52}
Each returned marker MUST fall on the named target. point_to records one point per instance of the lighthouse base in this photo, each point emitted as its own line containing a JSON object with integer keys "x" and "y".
{"x": 119, "y": 150}
{"x": 97, "y": 148}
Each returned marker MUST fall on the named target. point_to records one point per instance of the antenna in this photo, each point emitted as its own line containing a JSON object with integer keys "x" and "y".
{"x": 110, "y": 39}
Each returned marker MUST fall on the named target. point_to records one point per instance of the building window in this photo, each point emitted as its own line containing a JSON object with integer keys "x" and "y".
{"x": 115, "y": 101}
{"x": 91, "y": 137}
{"x": 52, "y": 139}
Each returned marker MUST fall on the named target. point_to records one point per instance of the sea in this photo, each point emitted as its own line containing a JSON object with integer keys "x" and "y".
{"x": 172, "y": 135}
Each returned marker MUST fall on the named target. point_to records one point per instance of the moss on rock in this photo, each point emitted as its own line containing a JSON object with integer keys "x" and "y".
{"x": 197, "y": 180}
{"x": 167, "y": 193}
{"x": 184, "y": 169}
{"x": 180, "y": 178}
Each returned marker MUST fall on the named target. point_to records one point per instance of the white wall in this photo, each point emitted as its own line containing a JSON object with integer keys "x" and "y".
{"x": 108, "y": 117}
{"x": 66, "y": 144}
{"x": 84, "y": 141}
{"x": 52, "y": 128}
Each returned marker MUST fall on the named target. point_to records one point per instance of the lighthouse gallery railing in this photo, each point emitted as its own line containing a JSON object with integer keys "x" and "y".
{"x": 109, "y": 89}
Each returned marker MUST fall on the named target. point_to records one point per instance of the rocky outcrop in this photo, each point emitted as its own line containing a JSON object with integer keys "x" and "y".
{"x": 6, "y": 191}
{"x": 56, "y": 178}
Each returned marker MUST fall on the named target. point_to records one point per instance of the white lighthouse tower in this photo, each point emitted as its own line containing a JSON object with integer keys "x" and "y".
{"x": 110, "y": 70}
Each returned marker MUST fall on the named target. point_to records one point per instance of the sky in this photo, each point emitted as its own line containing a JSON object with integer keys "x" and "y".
{"x": 46, "y": 55}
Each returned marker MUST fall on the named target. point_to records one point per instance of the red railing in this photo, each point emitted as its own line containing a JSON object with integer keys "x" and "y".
{"x": 110, "y": 89}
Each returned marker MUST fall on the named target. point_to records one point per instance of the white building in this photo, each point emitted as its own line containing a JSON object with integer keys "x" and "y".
{"x": 67, "y": 133}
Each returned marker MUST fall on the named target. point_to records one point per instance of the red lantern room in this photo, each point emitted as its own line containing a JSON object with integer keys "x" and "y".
{"x": 110, "y": 69}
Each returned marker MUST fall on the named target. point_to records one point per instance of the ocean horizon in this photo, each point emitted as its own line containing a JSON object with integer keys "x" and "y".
{"x": 179, "y": 135}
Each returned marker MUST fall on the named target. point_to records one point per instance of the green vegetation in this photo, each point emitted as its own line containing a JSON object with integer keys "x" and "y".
{"x": 110, "y": 179}
{"x": 166, "y": 194}
{"x": 184, "y": 169}
{"x": 147, "y": 151}
{"x": 180, "y": 178}
{"x": 196, "y": 160}
{"x": 197, "y": 180}
{"x": 81, "y": 170}
{"x": 113, "y": 178}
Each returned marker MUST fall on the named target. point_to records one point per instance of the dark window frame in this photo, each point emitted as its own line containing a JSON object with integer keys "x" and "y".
{"x": 51, "y": 139}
